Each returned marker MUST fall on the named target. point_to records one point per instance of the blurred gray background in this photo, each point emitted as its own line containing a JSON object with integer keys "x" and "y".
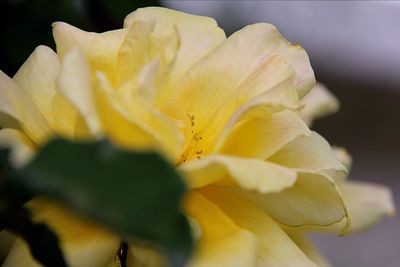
{"x": 354, "y": 47}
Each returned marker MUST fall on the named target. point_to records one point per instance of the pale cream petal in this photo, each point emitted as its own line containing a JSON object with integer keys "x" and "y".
{"x": 16, "y": 103}
{"x": 222, "y": 242}
{"x": 37, "y": 77}
{"x": 101, "y": 49}
{"x": 197, "y": 36}
{"x": 22, "y": 149}
{"x": 276, "y": 248}
{"x": 308, "y": 248}
{"x": 84, "y": 244}
{"x": 342, "y": 156}
{"x": 261, "y": 136}
{"x": 308, "y": 154}
{"x": 250, "y": 174}
{"x": 317, "y": 103}
{"x": 368, "y": 203}
{"x": 75, "y": 85}
{"x": 313, "y": 200}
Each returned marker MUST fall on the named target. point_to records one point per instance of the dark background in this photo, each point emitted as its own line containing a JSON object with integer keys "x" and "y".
{"x": 354, "y": 47}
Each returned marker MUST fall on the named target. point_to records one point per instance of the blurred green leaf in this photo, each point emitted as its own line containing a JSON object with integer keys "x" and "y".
{"x": 137, "y": 194}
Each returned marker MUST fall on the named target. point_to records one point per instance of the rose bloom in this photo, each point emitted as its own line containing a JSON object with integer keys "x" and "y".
{"x": 230, "y": 113}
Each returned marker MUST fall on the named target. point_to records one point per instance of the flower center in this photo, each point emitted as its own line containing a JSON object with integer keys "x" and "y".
{"x": 193, "y": 149}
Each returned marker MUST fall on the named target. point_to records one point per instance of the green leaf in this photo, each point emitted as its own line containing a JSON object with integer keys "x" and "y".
{"x": 137, "y": 194}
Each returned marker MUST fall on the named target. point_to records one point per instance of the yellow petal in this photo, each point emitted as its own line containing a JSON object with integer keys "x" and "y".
{"x": 193, "y": 44}
{"x": 276, "y": 248}
{"x": 368, "y": 203}
{"x": 317, "y": 103}
{"x": 308, "y": 154}
{"x": 72, "y": 125}
{"x": 308, "y": 248}
{"x": 15, "y": 103}
{"x": 144, "y": 256}
{"x": 144, "y": 44}
{"x": 135, "y": 125}
{"x": 6, "y": 240}
{"x": 75, "y": 85}
{"x": 215, "y": 112}
{"x": 261, "y": 136}
{"x": 101, "y": 49}
{"x": 250, "y": 174}
{"x": 313, "y": 200}
{"x": 22, "y": 149}
{"x": 84, "y": 244}
{"x": 222, "y": 242}
{"x": 37, "y": 77}
{"x": 342, "y": 156}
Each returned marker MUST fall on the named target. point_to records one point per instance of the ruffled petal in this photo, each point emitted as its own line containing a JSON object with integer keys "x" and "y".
{"x": 261, "y": 136}
{"x": 144, "y": 44}
{"x": 308, "y": 154}
{"x": 15, "y": 103}
{"x": 317, "y": 103}
{"x": 313, "y": 200}
{"x": 308, "y": 248}
{"x": 84, "y": 244}
{"x": 249, "y": 63}
{"x": 250, "y": 174}
{"x": 276, "y": 248}
{"x": 75, "y": 85}
{"x": 222, "y": 242}
{"x": 101, "y": 49}
{"x": 193, "y": 44}
{"x": 368, "y": 203}
{"x": 133, "y": 124}
{"x": 37, "y": 77}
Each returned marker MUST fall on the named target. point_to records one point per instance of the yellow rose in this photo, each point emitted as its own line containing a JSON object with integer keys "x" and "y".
{"x": 226, "y": 111}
